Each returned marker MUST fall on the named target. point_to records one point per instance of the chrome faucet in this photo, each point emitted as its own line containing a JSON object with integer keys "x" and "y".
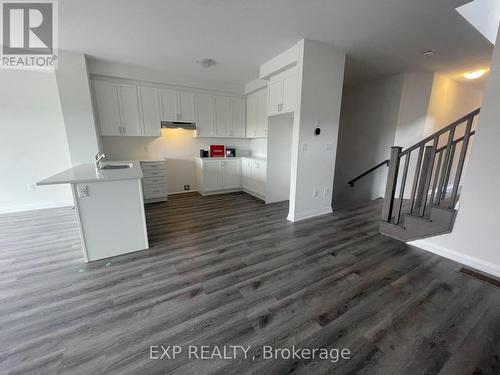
{"x": 98, "y": 157}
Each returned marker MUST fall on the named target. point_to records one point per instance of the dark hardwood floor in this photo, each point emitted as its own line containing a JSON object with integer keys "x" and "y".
{"x": 229, "y": 270}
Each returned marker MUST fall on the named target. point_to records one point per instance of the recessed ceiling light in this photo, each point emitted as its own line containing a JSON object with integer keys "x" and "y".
{"x": 475, "y": 74}
{"x": 429, "y": 52}
{"x": 206, "y": 62}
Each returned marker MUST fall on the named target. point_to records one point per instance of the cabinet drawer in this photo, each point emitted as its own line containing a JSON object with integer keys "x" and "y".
{"x": 152, "y": 166}
{"x": 154, "y": 180}
{"x": 154, "y": 191}
{"x": 153, "y": 173}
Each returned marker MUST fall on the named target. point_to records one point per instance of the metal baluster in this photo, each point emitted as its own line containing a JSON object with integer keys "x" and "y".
{"x": 429, "y": 164}
{"x": 445, "y": 176}
{"x": 460, "y": 166}
{"x": 415, "y": 179}
{"x": 390, "y": 188}
{"x": 436, "y": 177}
{"x": 402, "y": 189}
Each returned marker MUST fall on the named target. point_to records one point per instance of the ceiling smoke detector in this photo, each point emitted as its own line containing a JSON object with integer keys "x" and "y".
{"x": 429, "y": 52}
{"x": 206, "y": 62}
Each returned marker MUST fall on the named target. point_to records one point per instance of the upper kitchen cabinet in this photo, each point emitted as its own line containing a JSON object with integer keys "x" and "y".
{"x": 178, "y": 105}
{"x": 283, "y": 89}
{"x": 129, "y": 110}
{"x": 205, "y": 126}
{"x": 151, "y": 110}
{"x": 108, "y": 108}
{"x": 257, "y": 114}
{"x": 222, "y": 116}
{"x": 237, "y": 125}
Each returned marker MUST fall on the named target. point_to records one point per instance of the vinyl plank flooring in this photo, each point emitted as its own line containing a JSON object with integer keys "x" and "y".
{"x": 230, "y": 270}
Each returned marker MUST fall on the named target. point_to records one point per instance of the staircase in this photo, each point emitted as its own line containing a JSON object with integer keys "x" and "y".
{"x": 423, "y": 183}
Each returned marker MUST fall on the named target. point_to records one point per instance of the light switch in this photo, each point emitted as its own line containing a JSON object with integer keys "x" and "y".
{"x": 315, "y": 193}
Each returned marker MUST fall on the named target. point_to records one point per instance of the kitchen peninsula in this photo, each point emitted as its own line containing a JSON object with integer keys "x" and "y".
{"x": 109, "y": 207}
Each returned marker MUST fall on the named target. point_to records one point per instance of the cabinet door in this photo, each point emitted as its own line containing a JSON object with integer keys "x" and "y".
{"x": 252, "y": 115}
{"x": 169, "y": 105}
{"x": 289, "y": 93}
{"x": 129, "y": 110}
{"x": 186, "y": 106}
{"x": 212, "y": 176}
{"x": 261, "y": 176}
{"x": 262, "y": 113}
{"x": 231, "y": 174}
{"x": 222, "y": 116}
{"x": 275, "y": 96}
{"x": 237, "y": 118}
{"x": 151, "y": 114}
{"x": 245, "y": 173}
{"x": 205, "y": 122}
{"x": 108, "y": 108}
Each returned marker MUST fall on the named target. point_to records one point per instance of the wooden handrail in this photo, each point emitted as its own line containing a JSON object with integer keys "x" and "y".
{"x": 431, "y": 174}
{"x": 368, "y": 172}
{"x": 441, "y": 131}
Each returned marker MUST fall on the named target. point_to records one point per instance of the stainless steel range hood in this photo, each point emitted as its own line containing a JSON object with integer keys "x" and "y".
{"x": 178, "y": 125}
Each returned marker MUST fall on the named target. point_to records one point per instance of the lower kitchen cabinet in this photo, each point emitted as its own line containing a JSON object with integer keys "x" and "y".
{"x": 154, "y": 182}
{"x": 214, "y": 175}
{"x": 254, "y": 176}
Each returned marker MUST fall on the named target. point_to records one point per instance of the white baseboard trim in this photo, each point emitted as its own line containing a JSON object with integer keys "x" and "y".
{"x": 309, "y": 214}
{"x": 467, "y": 260}
{"x": 35, "y": 206}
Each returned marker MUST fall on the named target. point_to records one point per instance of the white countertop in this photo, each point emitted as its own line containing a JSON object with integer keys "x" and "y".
{"x": 88, "y": 173}
{"x": 256, "y": 157}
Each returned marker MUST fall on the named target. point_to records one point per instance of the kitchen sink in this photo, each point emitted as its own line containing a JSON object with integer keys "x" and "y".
{"x": 117, "y": 166}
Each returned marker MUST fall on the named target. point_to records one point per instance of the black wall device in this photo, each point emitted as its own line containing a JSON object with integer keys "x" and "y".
{"x": 317, "y": 131}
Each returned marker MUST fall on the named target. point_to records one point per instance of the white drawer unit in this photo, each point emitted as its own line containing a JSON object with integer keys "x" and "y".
{"x": 154, "y": 182}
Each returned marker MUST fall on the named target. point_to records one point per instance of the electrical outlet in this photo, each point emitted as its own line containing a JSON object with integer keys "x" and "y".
{"x": 326, "y": 191}
{"x": 187, "y": 187}
{"x": 31, "y": 187}
{"x": 315, "y": 193}
{"x": 304, "y": 147}
{"x": 82, "y": 191}
{"x": 329, "y": 147}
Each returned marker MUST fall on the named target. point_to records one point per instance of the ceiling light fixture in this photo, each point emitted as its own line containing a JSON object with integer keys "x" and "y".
{"x": 206, "y": 62}
{"x": 475, "y": 74}
{"x": 429, "y": 52}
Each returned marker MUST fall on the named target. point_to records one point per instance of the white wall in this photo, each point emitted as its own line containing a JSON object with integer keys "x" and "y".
{"x": 320, "y": 70}
{"x": 178, "y": 146}
{"x": 415, "y": 98}
{"x": 474, "y": 240}
{"x": 76, "y": 103}
{"x": 279, "y": 139}
{"x": 33, "y": 141}
{"x": 368, "y": 123}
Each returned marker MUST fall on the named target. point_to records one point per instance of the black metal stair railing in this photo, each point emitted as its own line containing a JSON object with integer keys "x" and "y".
{"x": 429, "y": 174}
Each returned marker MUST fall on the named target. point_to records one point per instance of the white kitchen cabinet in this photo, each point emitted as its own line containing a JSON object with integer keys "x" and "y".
{"x": 154, "y": 182}
{"x": 222, "y": 116}
{"x": 186, "y": 106}
{"x": 254, "y": 176}
{"x": 129, "y": 110}
{"x": 231, "y": 174}
{"x": 218, "y": 175}
{"x": 205, "y": 124}
{"x": 151, "y": 111}
{"x": 238, "y": 117}
{"x": 283, "y": 89}
{"x": 257, "y": 114}
{"x": 178, "y": 105}
{"x": 211, "y": 176}
{"x": 108, "y": 108}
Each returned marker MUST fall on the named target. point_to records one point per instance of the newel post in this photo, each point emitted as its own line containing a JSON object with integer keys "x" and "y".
{"x": 392, "y": 181}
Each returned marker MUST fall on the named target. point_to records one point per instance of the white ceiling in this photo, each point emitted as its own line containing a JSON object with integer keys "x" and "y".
{"x": 380, "y": 36}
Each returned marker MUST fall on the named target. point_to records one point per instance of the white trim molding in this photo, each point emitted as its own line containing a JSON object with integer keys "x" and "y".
{"x": 467, "y": 260}
{"x": 309, "y": 214}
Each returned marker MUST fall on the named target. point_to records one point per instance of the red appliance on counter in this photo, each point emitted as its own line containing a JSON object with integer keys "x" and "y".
{"x": 217, "y": 151}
